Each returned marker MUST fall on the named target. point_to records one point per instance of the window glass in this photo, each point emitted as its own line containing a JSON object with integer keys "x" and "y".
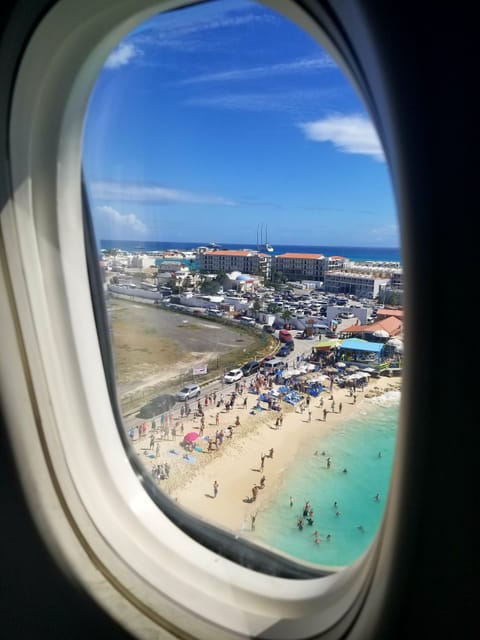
{"x": 249, "y": 249}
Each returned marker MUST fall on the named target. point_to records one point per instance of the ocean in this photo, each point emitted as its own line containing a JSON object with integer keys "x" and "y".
{"x": 364, "y": 445}
{"x": 361, "y": 254}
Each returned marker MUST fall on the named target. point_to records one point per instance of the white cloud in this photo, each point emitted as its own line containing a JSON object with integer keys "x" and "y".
{"x": 294, "y": 102}
{"x": 113, "y": 217}
{"x": 350, "y": 134}
{"x": 152, "y": 193}
{"x": 121, "y": 56}
{"x": 266, "y": 71}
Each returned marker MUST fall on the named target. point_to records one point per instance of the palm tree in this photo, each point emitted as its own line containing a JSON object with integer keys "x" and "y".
{"x": 286, "y": 315}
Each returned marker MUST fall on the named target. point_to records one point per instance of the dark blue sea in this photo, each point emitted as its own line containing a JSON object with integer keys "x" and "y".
{"x": 360, "y": 254}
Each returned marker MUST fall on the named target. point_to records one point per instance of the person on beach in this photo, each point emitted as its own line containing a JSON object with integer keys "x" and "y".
{"x": 253, "y": 517}
{"x": 262, "y": 482}
{"x": 254, "y": 493}
{"x": 329, "y": 462}
{"x": 340, "y": 407}
{"x": 325, "y": 415}
{"x": 262, "y": 461}
{"x": 215, "y": 489}
{"x": 237, "y": 421}
{"x": 309, "y": 416}
{"x": 270, "y": 454}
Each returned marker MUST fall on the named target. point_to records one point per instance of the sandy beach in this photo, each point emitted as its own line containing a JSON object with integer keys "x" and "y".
{"x": 237, "y": 463}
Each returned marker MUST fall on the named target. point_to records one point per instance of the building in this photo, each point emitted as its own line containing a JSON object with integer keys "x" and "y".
{"x": 300, "y": 266}
{"x": 387, "y": 327}
{"x": 360, "y": 284}
{"x": 227, "y": 260}
{"x": 308, "y": 267}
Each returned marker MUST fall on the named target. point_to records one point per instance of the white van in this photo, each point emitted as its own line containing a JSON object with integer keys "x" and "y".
{"x": 247, "y": 321}
{"x": 272, "y": 365}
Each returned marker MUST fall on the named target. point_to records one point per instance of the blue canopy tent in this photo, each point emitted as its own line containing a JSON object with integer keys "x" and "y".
{"x": 362, "y": 350}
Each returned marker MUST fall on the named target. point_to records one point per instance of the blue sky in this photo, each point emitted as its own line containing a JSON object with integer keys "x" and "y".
{"x": 210, "y": 121}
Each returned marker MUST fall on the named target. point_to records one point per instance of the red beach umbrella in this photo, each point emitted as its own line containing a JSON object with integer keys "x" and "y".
{"x": 191, "y": 436}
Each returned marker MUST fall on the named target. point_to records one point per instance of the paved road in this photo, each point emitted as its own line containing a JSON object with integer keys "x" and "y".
{"x": 302, "y": 347}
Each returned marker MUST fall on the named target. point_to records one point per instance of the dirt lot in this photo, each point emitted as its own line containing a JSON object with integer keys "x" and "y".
{"x": 155, "y": 350}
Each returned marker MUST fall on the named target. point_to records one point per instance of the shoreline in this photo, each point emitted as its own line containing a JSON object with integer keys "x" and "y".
{"x": 236, "y": 465}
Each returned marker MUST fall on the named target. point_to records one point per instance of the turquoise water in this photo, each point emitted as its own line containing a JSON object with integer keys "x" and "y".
{"x": 356, "y": 446}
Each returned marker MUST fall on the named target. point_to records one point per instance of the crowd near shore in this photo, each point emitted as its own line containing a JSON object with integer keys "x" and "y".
{"x": 223, "y": 455}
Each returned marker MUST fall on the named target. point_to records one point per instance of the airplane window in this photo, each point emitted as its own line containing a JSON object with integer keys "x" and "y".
{"x": 247, "y": 241}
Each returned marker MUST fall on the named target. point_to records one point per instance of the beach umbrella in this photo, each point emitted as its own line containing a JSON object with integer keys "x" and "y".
{"x": 396, "y": 343}
{"x": 381, "y": 333}
{"x": 323, "y": 379}
{"x": 191, "y": 436}
{"x": 340, "y": 365}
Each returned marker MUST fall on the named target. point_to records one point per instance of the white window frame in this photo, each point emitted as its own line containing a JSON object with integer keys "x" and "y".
{"x": 87, "y": 500}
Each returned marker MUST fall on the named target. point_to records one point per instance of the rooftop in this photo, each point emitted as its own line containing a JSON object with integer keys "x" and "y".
{"x": 302, "y": 256}
{"x": 245, "y": 253}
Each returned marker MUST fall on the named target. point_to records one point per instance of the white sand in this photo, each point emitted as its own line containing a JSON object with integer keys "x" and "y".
{"x": 236, "y": 464}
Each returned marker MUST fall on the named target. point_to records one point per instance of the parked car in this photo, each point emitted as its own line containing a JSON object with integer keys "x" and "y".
{"x": 270, "y": 366}
{"x": 284, "y": 335}
{"x": 283, "y": 351}
{"x": 250, "y": 367}
{"x": 346, "y": 315}
{"x": 188, "y": 392}
{"x": 215, "y": 312}
{"x": 233, "y": 375}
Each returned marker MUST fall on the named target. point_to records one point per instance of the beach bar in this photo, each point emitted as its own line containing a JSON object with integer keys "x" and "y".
{"x": 357, "y": 350}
